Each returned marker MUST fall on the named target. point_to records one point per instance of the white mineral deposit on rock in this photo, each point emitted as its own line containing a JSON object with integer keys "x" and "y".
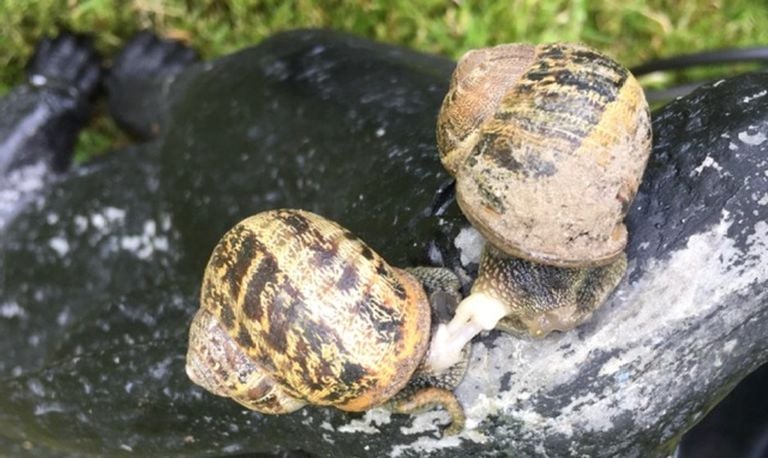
{"x": 428, "y": 421}
{"x": 752, "y": 139}
{"x": 750, "y": 98}
{"x": 18, "y": 187}
{"x": 470, "y": 245}
{"x": 425, "y": 446}
{"x": 707, "y": 162}
{"x": 12, "y": 310}
{"x": 60, "y": 245}
{"x": 368, "y": 424}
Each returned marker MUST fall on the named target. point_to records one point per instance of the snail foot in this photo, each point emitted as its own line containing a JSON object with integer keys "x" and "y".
{"x": 580, "y": 292}
{"x": 432, "y": 397}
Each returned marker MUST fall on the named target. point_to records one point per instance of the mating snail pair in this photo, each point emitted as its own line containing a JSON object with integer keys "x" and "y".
{"x": 547, "y": 145}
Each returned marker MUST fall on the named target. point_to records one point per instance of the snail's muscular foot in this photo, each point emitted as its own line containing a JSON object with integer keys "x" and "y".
{"x": 432, "y": 397}
{"x": 428, "y": 389}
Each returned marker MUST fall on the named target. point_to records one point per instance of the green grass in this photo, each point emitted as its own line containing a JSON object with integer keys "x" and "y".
{"x": 632, "y": 33}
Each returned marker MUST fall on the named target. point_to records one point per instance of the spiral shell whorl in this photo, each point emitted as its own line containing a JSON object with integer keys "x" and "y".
{"x": 481, "y": 79}
{"x": 316, "y": 309}
{"x": 550, "y": 174}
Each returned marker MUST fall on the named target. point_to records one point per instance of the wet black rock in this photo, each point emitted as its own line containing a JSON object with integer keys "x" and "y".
{"x": 101, "y": 271}
{"x": 40, "y": 120}
{"x": 138, "y": 79}
{"x": 331, "y": 124}
{"x": 737, "y": 426}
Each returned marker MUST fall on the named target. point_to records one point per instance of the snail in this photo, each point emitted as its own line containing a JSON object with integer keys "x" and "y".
{"x": 296, "y": 310}
{"x": 547, "y": 145}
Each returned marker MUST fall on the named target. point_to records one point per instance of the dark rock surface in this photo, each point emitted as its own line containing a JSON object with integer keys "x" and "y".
{"x": 301, "y": 125}
{"x": 100, "y": 272}
{"x": 736, "y": 427}
{"x": 40, "y": 120}
{"x": 139, "y": 78}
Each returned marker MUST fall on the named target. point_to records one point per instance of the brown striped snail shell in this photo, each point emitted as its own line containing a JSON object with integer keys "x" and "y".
{"x": 296, "y": 310}
{"x": 548, "y": 145}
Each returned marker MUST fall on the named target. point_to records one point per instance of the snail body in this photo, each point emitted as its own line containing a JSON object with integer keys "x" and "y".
{"x": 297, "y": 310}
{"x": 548, "y": 145}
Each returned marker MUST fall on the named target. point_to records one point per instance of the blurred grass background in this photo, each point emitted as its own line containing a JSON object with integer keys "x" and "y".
{"x": 632, "y": 31}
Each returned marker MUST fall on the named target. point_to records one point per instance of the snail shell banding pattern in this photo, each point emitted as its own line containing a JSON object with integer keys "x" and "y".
{"x": 297, "y": 310}
{"x": 547, "y": 144}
